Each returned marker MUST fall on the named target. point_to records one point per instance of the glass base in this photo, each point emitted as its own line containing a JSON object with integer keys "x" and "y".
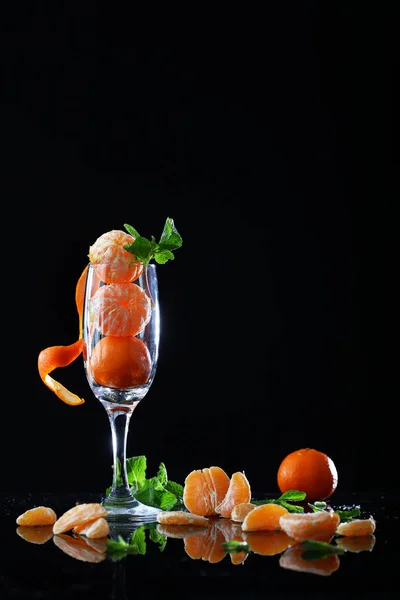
{"x": 122, "y": 510}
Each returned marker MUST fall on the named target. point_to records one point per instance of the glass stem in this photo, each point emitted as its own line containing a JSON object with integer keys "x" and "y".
{"x": 119, "y": 418}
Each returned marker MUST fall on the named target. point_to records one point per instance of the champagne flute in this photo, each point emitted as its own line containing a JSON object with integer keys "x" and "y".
{"x": 121, "y": 334}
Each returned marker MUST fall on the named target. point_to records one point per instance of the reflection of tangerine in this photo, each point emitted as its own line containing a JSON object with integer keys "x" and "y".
{"x": 293, "y": 559}
{"x": 267, "y": 543}
{"x": 356, "y": 544}
{"x": 115, "y": 264}
{"x": 309, "y": 471}
{"x": 239, "y": 492}
{"x": 319, "y": 526}
{"x": 207, "y": 545}
{"x": 120, "y": 362}
{"x": 35, "y": 535}
{"x": 120, "y": 309}
{"x": 204, "y": 490}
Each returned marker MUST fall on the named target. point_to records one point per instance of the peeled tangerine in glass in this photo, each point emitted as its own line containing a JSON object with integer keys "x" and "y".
{"x": 115, "y": 264}
{"x": 120, "y": 309}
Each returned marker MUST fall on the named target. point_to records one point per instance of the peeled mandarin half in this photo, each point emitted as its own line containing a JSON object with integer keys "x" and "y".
{"x": 239, "y": 492}
{"x": 204, "y": 489}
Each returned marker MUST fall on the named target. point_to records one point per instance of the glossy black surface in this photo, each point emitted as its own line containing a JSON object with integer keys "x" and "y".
{"x": 30, "y": 570}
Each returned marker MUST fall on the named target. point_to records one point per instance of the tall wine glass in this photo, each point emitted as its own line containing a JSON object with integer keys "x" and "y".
{"x": 121, "y": 333}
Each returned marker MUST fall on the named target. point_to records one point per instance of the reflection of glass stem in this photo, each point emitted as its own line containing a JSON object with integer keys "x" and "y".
{"x": 119, "y": 418}
{"x": 119, "y": 581}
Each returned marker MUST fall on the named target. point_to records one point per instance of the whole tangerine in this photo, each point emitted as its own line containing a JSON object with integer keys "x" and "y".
{"x": 310, "y": 471}
{"x": 120, "y": 362}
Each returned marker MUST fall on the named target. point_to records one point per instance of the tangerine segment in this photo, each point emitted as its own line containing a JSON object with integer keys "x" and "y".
{"x": 180, "y": 517}
{"x": 36, "y": 535}
{"x": 77, "y": 515}
{"x": 293, "y": 559}
{"x": 309, "y": 471}
{"x": 356, "y": 544}
{"x": 319, "y": 526}
{"x": 120, "y": 362}
{"x": 267, "y": 543}
{"x": 204, "y": 490}
{"x": 238, "y": 492}
{"x": 98, "y": 528}
{"x": 357, "y": 527}
{"x": 59, "y": 356}
{"x": 240, "y": 511}
{"x": 78, "y": 549}
{"x": 115, "y": 264}
{"x": 39, "y": 515}
{"x": 120, "y": 309}
{"x": 179, "y": 531}
{"x": 265, "y": 516}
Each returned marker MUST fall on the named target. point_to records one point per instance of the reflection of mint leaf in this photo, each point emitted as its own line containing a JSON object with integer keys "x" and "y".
{"x": 145, "y": 250}
{"x": 236, "y": 546}
{"x": 284, "y": 500}
{"x": 156, "y": 537}
{"x": 314, "y": 550}
{"x": 118, "y": 549}
{"x": 138, "y": 539}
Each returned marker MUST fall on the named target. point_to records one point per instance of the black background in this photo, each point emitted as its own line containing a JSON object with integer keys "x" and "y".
{"x": 267, "y": 138}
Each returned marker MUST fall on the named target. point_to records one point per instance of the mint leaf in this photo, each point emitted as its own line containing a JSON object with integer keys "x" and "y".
{"x": 348, "y": 515}
{"x": 162, "y": 475}
{"x": 313, "y": 550}
{"x": 283, "y": 500}
{"x": 119, "y": 549}
{"x": 146, "y": 250}
{"x": 136, "y": 471}
{"x": 157, "y": 498}
{"x": 317, "y": 506}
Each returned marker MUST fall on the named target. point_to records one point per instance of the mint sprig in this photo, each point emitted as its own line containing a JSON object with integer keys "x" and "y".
{"x": 156, "y": 491}
{"x": 284, "y": 500}
{"x": 145, "y": 249}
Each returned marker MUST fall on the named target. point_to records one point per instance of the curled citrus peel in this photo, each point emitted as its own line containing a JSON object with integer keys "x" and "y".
{"x": 61, "y": 356}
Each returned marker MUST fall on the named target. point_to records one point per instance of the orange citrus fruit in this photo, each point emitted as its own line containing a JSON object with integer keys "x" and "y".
{"x": 265, "y": 516}
{"x": 310, "y": 471}
{"x": 357, "y": 527}
{"x": 204, "y": 490}
{"x": 119, "y": 309}
{"x": 240, "y": 511}
{"x": 120, "y": 362}
{"x": 239, "y": 492}
{"x": 180, "y": 517}
{"x": 115, "y": 264}
{"x": 320, "y": 526}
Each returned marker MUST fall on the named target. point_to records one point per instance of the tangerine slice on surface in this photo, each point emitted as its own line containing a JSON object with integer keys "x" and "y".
{"x": 119, "y": 309}
{"x": 240, "y": 511}
{"x": 293, "y": 559}
{"x": 59, "y": 356}
{"x": 265, "y": 516}
{"x": 239, "y": 492}
{"x": 204, "y": 490}
{"x": 357, "y": 527}
{"x": 320, "y": 526}
{"x": 120, "y": 362}
{"x": 39, "y": 515}
{"x": 179, "y": 531}
{"x": 98, "y": 528}
{"x": 180, "y": 517}
{"x": 77, "y": 515}
{"x": 115, "y": 264}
